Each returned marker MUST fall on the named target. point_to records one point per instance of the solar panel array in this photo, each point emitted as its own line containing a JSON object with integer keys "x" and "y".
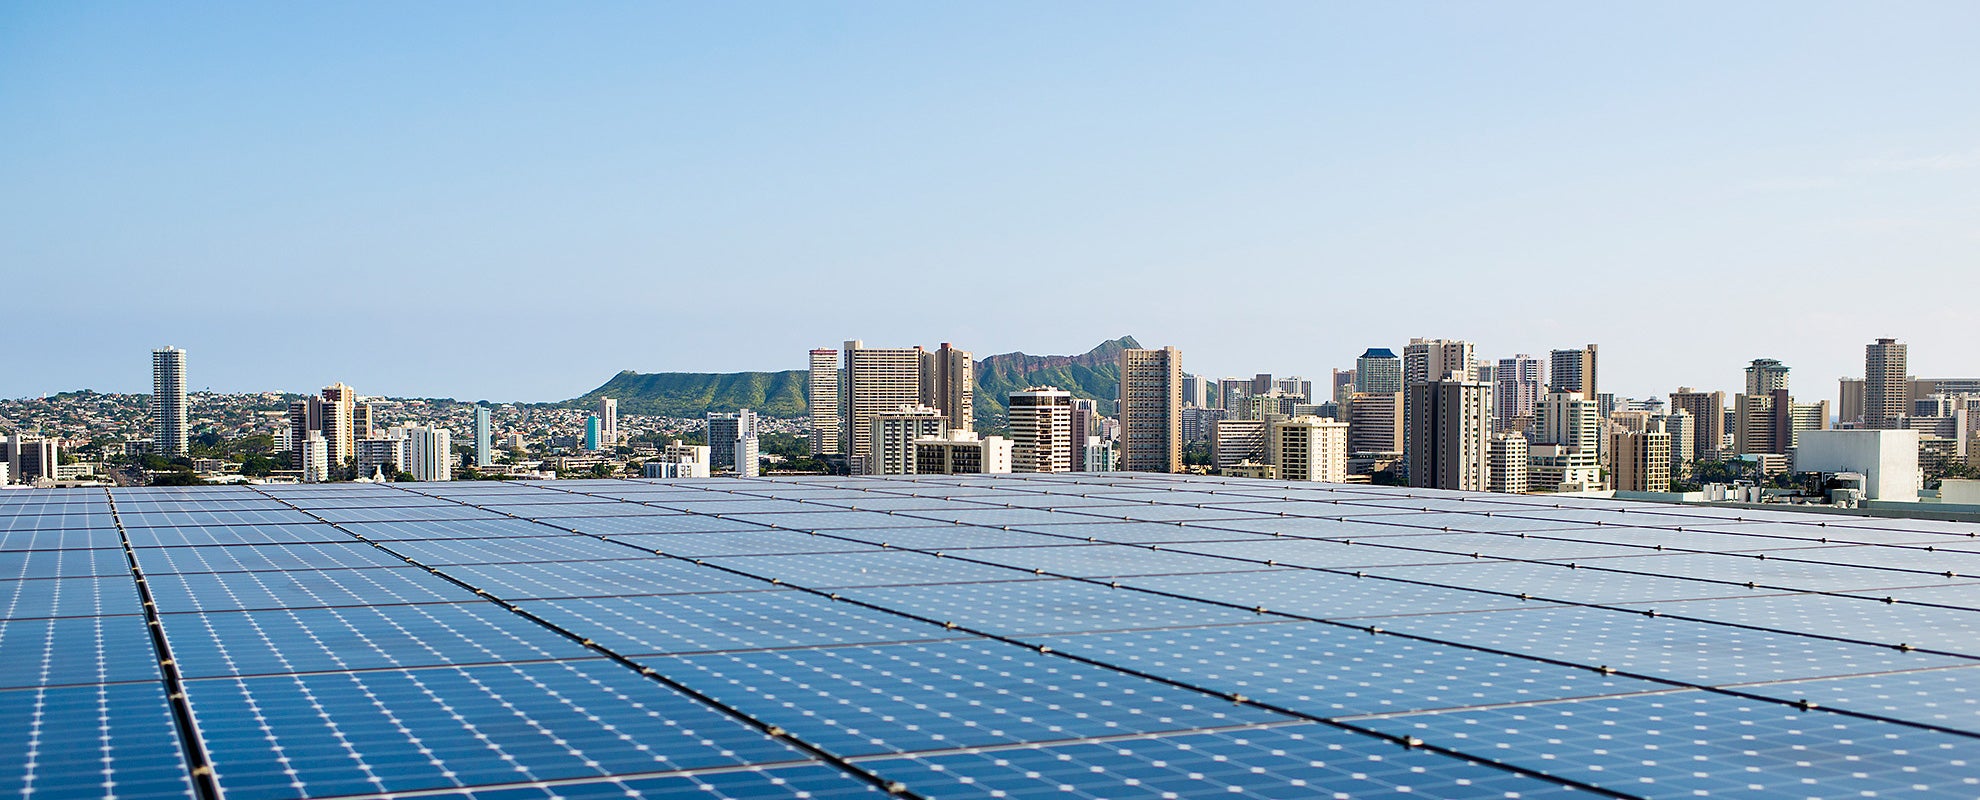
{"x": 1091, "y": 635}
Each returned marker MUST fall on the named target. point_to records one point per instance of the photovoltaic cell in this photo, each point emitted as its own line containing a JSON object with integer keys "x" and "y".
{"x": 687, "y": 623}
{"x": 90, "y": 741}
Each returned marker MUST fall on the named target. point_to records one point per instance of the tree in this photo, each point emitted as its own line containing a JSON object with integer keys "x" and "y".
{"x": 177, "y": 478}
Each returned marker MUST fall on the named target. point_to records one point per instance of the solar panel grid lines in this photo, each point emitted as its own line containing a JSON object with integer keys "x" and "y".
{"x": 646, "y": 672}
{"x": 199, "y": 767}
{"x": 1450, "y": 641}
{"x": 1236, "y": 698}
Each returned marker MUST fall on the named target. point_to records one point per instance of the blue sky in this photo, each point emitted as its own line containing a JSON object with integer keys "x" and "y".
{"x": 515, "y": 201}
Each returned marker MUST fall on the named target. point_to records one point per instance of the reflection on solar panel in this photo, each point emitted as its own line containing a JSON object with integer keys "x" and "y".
{"x": 1091, "y": 635}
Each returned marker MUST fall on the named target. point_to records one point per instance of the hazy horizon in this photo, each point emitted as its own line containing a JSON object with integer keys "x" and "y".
{"x": 514, "y": 202}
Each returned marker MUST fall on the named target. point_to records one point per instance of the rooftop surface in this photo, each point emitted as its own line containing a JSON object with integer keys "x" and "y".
{"x": 1084, "y": 635}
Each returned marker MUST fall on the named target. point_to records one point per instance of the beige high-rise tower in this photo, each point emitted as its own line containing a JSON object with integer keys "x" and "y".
{"x": 340, "y": 423}
{"x": 1042, "y": 430}
{"x": 878, "y": 381}
{"x": 822, "y": 400}
{"x": 1151, "y": 410}
{"x": 1886, "y": 387}
{"x": 948, "y": 382}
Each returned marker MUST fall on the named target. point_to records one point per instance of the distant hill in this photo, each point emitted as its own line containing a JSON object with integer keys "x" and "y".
{"x": 1094, "y": 374}
{"x": 692, "y": 394}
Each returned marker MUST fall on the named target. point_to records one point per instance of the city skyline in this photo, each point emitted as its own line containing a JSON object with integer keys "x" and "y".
{"x": 1661, "y": 174}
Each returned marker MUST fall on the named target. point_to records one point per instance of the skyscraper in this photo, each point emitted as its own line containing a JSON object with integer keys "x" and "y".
{"x": 1231, "y": 393}
{"x": 1574, "y": 371}
{"x": 338, "y": 423}
{"x": 948, "y": 382}
{"x": 1426, "y": 360}
{"x": 1151, "y": 410}
{"x": 1041, "y": 430}
{"x": 168, "y": 401}
{"x": 1516, "y": 387}
{"x": 1886, "y": 386}
{"x": 1196, "y": 391}
{"x": 608, "y": 423}
{"x": 1298, "y": 387}
{"x": 1261, "y": 383}
{"x": 1765, "y": 375}
{"x": 877, "y": 381}
{"x": 732, "y": 442}
{"x": 484, "y": 439}
{"x": 1375, "y": 423}
{"x": 594, "y": 430}
{"x": 822, "y": 400}
{"x": 1708, "y": 418}
{"x": 1449, "y": 436}
{"x": 1378, "y": 371}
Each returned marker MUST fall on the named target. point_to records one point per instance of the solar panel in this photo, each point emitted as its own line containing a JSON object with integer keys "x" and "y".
{"x": 1093, "y": 635}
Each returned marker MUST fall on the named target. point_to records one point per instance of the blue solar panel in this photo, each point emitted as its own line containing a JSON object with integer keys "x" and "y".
{"x": 75, "y": 650}
{"x": 359, "y": 637}
{"x": 801, "y": 637}
{"x": 91, "y": 741}
{"x": 401, "y": 730}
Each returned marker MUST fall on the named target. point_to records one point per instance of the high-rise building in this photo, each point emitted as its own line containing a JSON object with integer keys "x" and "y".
{"x": 1295, "y": 386}
{"x": 594, "y": 433}
{"x": 1517, "y": 384}
{"x": 1085, "y": 423}
{"x": 1448, "y": 439}
{"x": 1375, "y": 423}
{"x": 1261, "y": 383}
{"x": 429, "y": 452}
{"x": 1196, "y": 423}
{"x": 822, "y": 400}
{"x": 608, "y": 423}
{"x": 484, "y": 439}
{"x": 168, "y": 402}
{"x": 1041, "y": 430}
{"x": 1708, "y": 416}
{"x": 892, "y": 435}
{"x": 385, "y": 457}
{"x": 1231, "y": 393}
{"x": 1759, "y": 423}
{"x": 315, "y": 463}
{"x": 1098, "y": 455}
{"x": 1378, "y": 371}
{"x": 878, "y": 381}
{"x": 1236, "y": 440}
{"x": 1309, "y": 449}
{"x": 1566, "y": 418}
{"x": 1151, "y": 410}
{"x": 1574, "y": 371}
{"x": 362, "y": 416}
{"x": 1196, "y": 392}
{"x": 948, "y": 382}
{"x": 1506, "y": 464}
{"x": 339, "y": 424}
{"x": 1343, "y": 384}
{"x": 1426, "y": 360}
{"x": 733, "y": 442}
{"x": 1765, "y": 375}
{"x": 1683, "y": 427}
{"x": 1885, "y": 383}
{"x": 960, "y": 452}
{"x": 1642, "y": 460}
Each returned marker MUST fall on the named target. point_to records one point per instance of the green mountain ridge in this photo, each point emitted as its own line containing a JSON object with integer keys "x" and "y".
{"x": 1094, "y": 375}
